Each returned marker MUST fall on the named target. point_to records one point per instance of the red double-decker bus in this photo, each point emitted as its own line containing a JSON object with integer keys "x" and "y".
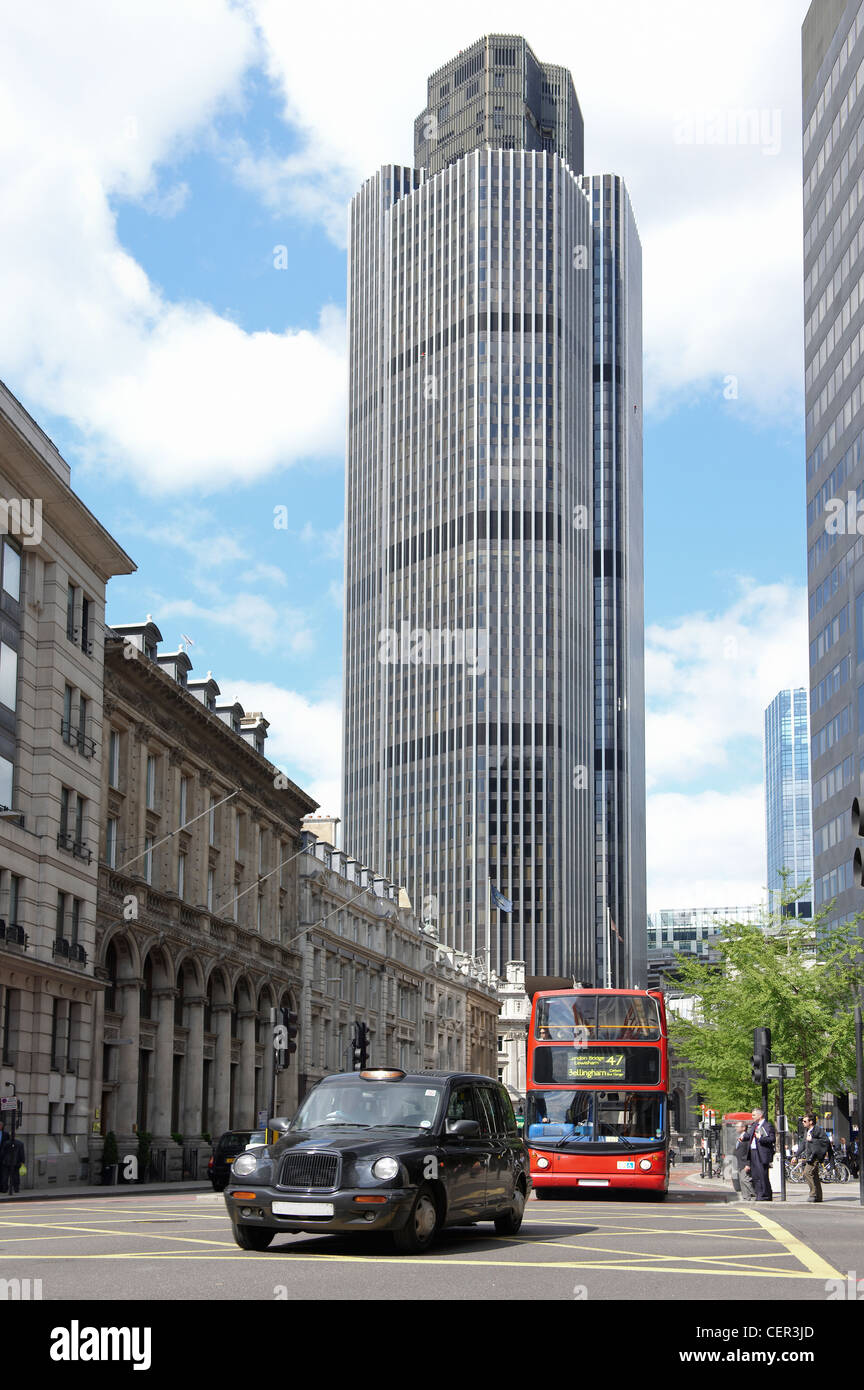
{"x": 597, "y": 1080}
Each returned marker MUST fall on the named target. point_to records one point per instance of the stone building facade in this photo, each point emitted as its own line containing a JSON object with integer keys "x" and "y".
{"x": 218, "y": 902}
{"x": 368, "y": 959}
{"x": 197, "y": 915}
{"x": 55, "y": 561}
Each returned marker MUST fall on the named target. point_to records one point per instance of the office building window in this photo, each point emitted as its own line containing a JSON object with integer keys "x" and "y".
{"x": 111, "y": 843}
{"x": 11, "y": 569}
{"x": 114, "y": 759}
{"x": 6, "y": 779}
{"x": 8, "y": 675}
{"x": 181, "y": 874}
{"x": 151, "y": 782}
{"x": 148, "y": 859}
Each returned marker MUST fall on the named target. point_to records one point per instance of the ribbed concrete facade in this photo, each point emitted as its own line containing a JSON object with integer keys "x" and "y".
{"x": 495, "y": 363}
{"x": 833, "y": 173}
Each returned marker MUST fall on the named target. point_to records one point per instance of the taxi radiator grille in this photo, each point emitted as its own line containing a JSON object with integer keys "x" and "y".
{"x": 309, "y": 1170}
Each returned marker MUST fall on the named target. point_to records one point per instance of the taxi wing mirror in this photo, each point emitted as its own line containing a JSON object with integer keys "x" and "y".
{"x": 462, "y": 1129}
{"x": 281, "y": 1124}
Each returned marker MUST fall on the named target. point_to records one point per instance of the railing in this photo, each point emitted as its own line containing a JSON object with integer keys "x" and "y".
{"x": 60, "y": 947}
{"x": 13, "y": 935}
{"x": 76, "y": 738}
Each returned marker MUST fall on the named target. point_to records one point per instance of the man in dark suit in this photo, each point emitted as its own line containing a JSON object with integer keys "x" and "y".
{"x": 761, "y": 1141}
{"x": 814, "y": 1148}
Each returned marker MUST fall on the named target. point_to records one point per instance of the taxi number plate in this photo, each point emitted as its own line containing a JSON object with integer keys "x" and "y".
{"x": 302, "y": 1208}
{"x": 626, "y": 1163}
{"x": 593, "y": 1182}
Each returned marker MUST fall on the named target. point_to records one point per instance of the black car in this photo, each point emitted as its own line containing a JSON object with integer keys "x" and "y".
{"x": 386, "y": 1150}
{"x": 228, "y": 1146}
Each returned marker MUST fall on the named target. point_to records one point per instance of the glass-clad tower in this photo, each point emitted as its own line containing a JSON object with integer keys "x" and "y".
{"x": 489, "y": 535}
{"x": 788, "y": 824}
{"x": 833, "y": 172}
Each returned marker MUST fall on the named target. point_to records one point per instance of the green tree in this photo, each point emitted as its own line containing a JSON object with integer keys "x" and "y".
{"x": 792, "y": 975}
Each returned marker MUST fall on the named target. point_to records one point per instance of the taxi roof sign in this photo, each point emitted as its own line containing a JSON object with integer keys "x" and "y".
{"x": 382, "y": 1074}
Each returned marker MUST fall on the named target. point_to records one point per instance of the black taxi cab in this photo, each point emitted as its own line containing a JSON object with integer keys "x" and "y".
{"x": 385, "y": 1150}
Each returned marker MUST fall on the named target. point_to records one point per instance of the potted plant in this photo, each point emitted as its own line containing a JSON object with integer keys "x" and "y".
{"x": 110, "y": 1159}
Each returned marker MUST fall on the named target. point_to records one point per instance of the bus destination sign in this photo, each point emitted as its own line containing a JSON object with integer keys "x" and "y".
{"x": 596, "y": 1066}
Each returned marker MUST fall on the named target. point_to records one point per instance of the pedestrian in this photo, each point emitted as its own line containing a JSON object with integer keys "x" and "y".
{"x": 814, "y": 1148}
{"x": 761, "y": 1141}
{"x": 742, "y": 1159}
{"x": 13, "y": 1156}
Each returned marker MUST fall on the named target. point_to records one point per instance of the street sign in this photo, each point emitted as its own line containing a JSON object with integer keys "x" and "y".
{"x": 280, "y": 1037}
{"x": 8, "y": 1102}
{"x": 776, "y": 1070}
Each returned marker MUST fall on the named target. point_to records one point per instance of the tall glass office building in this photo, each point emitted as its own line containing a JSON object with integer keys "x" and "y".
{"x": 493, "y": 628}
{"x": 788, "y": 823}
{"x": 833, "y": 94}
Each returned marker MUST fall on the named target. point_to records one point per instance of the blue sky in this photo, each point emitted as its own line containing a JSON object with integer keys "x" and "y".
{"x": 156, "y": 159}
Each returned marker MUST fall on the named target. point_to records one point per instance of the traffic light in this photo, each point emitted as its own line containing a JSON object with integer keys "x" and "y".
{"x": 761, "y": 1055}
{"x": 360, "y": 1047}
{"x": 289, "y": 1021}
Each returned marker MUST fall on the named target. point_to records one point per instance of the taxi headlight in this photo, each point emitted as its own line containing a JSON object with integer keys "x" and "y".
{"x": 385, "y": 1169}
{"x": 244, "y": 1164}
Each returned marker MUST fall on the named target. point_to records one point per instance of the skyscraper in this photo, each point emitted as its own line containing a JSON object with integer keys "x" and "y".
{"x": 788, "y": 823}
{"x": 833, "y": 114}
{"x": 493, "y": 628}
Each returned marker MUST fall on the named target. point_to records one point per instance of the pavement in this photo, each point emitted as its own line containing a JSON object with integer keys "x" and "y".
{"x": 846, "y": 1193}
{"x": 52, "y": 1193}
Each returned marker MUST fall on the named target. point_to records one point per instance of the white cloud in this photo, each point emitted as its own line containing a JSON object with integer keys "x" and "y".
{"x": 706, "y": 850}
{"x": 709, "y": 678}
{"x": 94, "y": 100}
{"x": 720, "y": 223}
{"x": 265, "y": 627}
{"x": 304, "y": 738}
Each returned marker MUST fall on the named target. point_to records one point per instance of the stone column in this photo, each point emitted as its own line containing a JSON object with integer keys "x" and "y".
{"x": 193, "y": 1068}
{"x": 163, "y": 1071}
{"x": 222, "y": 1080}
{"x": 126, "y": 1109}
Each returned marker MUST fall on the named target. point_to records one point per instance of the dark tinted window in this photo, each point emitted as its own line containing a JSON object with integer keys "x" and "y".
{"x": 463, "y": 1105}
{"x": 489, "y": 1124}
{"x": 507, "y": 1113}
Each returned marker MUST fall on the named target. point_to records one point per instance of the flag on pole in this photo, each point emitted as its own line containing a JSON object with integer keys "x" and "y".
{"x": 615, "y": 929}
{"x": 498, "y": 899}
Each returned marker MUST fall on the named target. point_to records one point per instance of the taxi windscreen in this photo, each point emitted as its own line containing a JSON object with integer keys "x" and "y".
{"x": 390, "y": 1105}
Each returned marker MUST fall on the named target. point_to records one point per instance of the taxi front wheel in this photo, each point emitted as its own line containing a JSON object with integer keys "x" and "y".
{"x": 419, "y": 1230}
{"x": 253, "y": 1237}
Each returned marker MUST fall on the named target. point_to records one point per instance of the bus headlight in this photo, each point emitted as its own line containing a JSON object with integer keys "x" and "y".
{"x": 542, "y": 1163}
{"x": 385, "y": 1169}
{"x": 645, "y": 1164}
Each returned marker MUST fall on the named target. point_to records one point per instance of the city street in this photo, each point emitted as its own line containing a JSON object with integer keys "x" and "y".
{"x": 695, "y": 1246}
